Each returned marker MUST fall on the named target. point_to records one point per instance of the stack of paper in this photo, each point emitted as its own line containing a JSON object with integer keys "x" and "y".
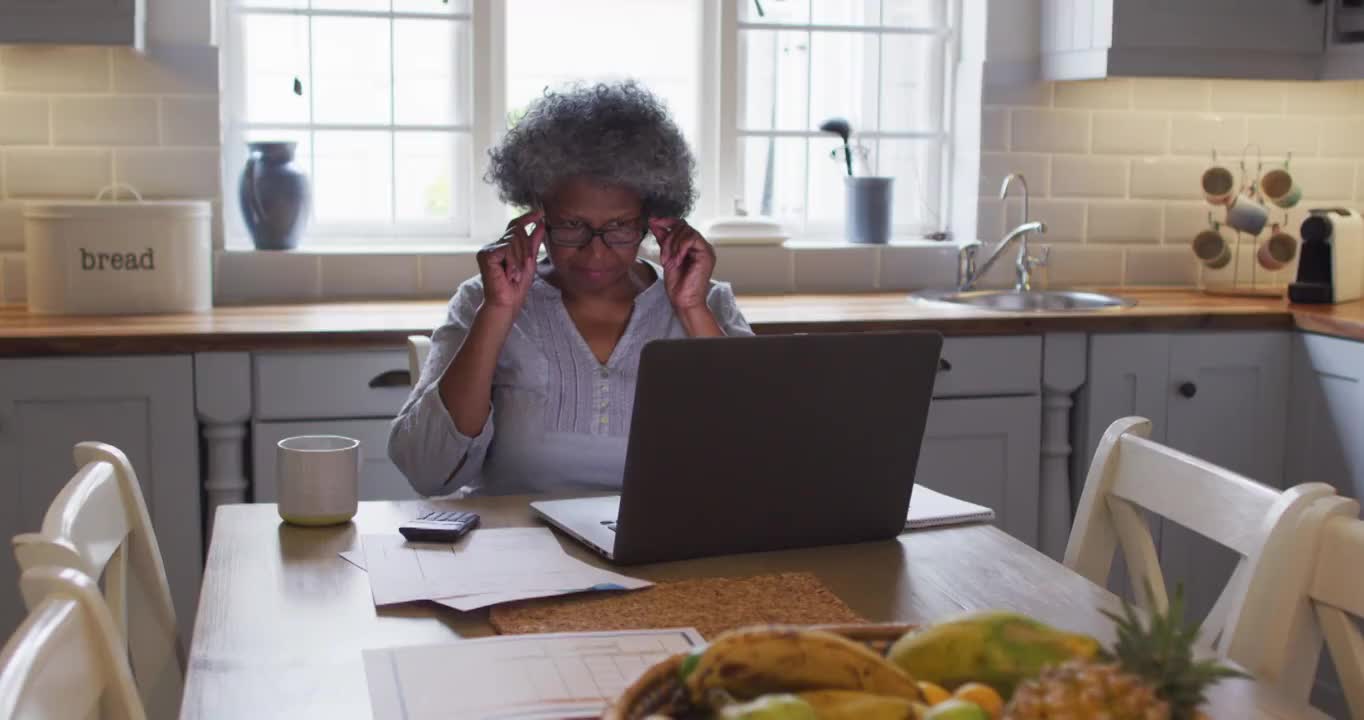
{"x": 485, "y": 567}
{"x": 929, "y": 508}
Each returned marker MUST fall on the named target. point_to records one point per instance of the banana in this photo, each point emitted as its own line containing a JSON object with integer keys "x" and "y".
{"x": 750, "y": 662}
{"x": 854, "y": 705}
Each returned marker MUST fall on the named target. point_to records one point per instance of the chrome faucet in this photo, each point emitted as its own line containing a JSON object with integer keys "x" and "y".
{"x": 967, "y": 271}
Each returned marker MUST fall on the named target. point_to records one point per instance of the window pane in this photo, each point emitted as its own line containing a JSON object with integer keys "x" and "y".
{"x": 911, "y": 83}
{"x": 775, "y": 81}
{"x": 443, "y": 7}
{"x": 916, "y": 167}
{"x": 827, "y": 171}
{"x": 774, "y": 178}
{"x": 282, "y": 4}
{"x": 913, "y": 13}
{"x": 844, "y": 77}
{"x": 352, "y": 5}
{"x": 846, "y": 12}
{"x": 352, "y": 180}
{"x": 276, "y": 52}
{"x": 350, "y": 70}
{"x": 431, "y": 72}
{"x": 425, "y": 176}
{"x": 774, "y": 11}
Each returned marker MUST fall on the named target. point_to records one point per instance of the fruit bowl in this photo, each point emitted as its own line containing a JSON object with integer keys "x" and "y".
{"x": 659, "y": 690}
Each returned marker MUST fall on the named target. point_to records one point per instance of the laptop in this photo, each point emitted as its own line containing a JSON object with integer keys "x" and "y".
{"x": 763, "y": 443}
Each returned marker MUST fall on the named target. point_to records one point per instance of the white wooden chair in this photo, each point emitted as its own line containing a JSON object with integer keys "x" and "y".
{"x": 66, "y": 660}
{"x": 1131, "y": 473}
{"x": 98, "y": 525}
{"x": 418, "y": 347}
{"x": 1304, "y": 590}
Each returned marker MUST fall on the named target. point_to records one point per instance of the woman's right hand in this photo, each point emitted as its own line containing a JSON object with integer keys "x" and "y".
{"x": 508, "y": 265}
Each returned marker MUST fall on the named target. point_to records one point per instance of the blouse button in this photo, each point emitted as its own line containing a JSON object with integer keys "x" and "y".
{"x": 605, "y": 373}
{"x": 605, "y": 419}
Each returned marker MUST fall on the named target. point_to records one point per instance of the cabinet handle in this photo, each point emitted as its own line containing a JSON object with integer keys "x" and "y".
{"x": 1188, "y": 389}
{"x": 944, "y": 366}
{"x": 391, "y": 378}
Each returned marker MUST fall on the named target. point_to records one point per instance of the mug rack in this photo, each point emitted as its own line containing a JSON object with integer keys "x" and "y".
{"x": 1246, "y": 276}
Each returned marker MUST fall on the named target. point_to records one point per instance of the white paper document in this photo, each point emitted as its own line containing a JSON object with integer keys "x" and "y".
{"x": 929, "y": 508}
{"x": 484, "y": 568}
{"x": 563, "y": 675}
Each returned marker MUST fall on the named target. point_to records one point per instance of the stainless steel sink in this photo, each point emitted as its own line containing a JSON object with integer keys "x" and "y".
{"x": 1038, "y": 301}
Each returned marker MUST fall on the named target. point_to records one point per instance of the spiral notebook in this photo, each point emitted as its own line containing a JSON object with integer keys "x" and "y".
{"x": 930, "y": 508}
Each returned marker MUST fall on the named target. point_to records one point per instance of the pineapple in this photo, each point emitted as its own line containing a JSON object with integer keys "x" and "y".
{"x": 1149, "y": 675}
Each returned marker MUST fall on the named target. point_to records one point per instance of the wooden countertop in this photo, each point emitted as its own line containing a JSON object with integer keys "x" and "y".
{"x": 388, "y": 323}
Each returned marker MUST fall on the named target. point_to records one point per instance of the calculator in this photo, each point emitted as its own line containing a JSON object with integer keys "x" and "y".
{"x": 439, "y": 526}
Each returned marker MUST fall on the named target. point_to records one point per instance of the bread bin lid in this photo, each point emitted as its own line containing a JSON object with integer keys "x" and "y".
{"x": 113, "y": 208}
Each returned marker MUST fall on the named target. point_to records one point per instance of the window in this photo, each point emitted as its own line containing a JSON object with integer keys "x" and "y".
{"x": 394, "y": 103}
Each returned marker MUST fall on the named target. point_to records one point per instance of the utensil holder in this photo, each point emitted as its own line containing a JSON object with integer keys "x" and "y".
{"x": 870, "y": 201}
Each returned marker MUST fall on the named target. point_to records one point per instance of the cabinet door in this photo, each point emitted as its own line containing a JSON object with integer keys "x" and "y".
{"x": 70, "y": 21}
{"x": 988, "y": 451}
{"x": 1228, "y": 402}
{"x": 379, "y": 478}
{"x": 142, "y": 405}
{"x": 1326, "y": 414}
{"x": 1266, "y": 26}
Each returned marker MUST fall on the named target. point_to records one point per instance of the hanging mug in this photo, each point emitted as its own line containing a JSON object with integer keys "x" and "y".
{"x": 1212, "y": 249}
{"x": 1247, "y": 215}
{"x": 1219, "y": 185}
{"x": 1277, "y": 250}
{"x": 1280, "y": 188}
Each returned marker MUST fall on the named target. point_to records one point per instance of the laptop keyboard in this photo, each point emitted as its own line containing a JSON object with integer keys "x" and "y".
{"x": 609, "y": 525}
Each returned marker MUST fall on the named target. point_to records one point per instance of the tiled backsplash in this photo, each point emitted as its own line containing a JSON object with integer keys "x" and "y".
{"x": 1113, "y": 166}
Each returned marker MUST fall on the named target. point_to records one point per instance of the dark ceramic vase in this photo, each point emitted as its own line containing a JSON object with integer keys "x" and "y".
{"x": 274, "y": 196}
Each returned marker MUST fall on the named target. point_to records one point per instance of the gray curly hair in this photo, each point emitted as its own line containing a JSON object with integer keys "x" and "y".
{"x": 618, "y": 133}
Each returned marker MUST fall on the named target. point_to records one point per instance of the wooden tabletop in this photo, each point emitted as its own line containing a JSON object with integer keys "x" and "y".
{"x": 388, "y": 323}
{"x": 282, "y": 620}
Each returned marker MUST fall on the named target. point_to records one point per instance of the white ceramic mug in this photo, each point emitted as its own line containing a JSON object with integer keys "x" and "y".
{"x": 1280, "y": 188}
{"x": 1247, "y": 215}
{"x": 319, "y": 479}
{"x": 1212, "y": 249}
{"x": 1219, "y": 185}
{"x": 1277, "y": 250}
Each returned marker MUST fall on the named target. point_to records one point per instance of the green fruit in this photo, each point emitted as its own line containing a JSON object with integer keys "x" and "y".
{"x": 955, "y": 709}
{"x": 999, "y": 649}
{"x": 777, "y": 706}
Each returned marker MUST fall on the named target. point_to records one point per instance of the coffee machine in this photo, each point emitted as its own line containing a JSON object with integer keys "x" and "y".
{"x": 1331, "y": 261}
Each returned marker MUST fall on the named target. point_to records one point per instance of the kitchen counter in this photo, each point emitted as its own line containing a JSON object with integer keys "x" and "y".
{"x": 388, "y": 323}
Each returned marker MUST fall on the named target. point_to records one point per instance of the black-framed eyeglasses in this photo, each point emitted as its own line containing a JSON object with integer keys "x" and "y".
{"x": 578, "y": 235}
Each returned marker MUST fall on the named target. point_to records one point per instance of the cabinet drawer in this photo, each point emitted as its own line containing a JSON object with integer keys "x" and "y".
{"x": 990, "y": 366}
{"x": 311, "y": 386}
{"x": 379, "y": 478}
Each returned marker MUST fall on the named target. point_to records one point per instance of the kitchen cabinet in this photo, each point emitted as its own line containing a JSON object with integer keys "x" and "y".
{"x": 143, "y": 405}
{"x": 986, "y": 450}
{"x": 380, "y": 479}
{"x": 1326, "y": 414}
{"x": 1253, "y": 39}
{"x": 73, "y": 22}
{"x": 1221, "y": 397}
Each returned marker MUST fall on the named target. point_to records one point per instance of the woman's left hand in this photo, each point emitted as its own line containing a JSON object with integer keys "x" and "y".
{"x": 688, "y": 261}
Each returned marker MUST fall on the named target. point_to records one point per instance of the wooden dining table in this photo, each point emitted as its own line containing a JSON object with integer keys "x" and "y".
{"x": 283, "y": 619}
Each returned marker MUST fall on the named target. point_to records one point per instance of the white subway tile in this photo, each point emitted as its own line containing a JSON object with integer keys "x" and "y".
{"x": 1169, "y": 94}
{"x": 1088, "y": 176}
{"x": 190, "y": 121}
{"x": 1065, "y": 219}
{"x": 917, "y": 268}
{"x": 1038, "y": 95}
{"x": 1049, "y": 130}
{"x": 1246, "y": 96}
{"x": 23, "y": 120}
{"x": 1185, "y": 220}
{"x": 1125, "y": 223}
{"x": 1342, "y": 137}
{"x": 1171, "y": 266}
{"x": 1319, "y": 98}
{"x": 1002, "y": 275}
{"x": 989, "y": 219}
{"x": 442, "y": 274}
{"x": 1203, "y": 133}
{"x": 994, "y": 129}
{"x": 13, "y": 279}
{"x": 756, "y": 269}
{"x": 1278, "y": 136}
{"x": 843, "y": 269}
{"x": 994, "y": 167}
{"x": 1111, "y": 94}
{"x": 104, "y": 121}
{"x": 54, "y": 68}
{"x": 38, "y": 172}
{"x": 1168, "y": 178}
{"x": 171, "y": 70}
{"x": 364, "y": 276}
{"x": 174, "y": 173}
{"x": 1130, "y": 133}
{"x": 11, "y": 225}
{"x": 1323, "y": 178}
{"x": 1083, "y": 265}
{"x": 266, "y": 276}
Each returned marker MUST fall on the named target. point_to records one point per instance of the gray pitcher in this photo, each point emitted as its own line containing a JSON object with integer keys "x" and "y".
{"x": 274, "y": 196}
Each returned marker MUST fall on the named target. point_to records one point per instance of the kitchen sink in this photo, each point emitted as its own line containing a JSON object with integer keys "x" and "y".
{"x": 1024, "y": 302}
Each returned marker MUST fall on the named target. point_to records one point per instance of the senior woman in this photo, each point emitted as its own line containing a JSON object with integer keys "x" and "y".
{"x": 531, "y": 379}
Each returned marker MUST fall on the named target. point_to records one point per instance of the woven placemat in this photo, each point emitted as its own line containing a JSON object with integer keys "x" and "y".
{"x": 711, "y": 605}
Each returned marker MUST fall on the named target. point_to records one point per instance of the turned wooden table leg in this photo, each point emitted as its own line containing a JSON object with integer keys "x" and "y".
{"x": 1063, "y": 372}
{"x": 222, "y": 399}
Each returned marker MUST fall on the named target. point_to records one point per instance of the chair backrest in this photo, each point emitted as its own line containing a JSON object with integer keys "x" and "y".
{"x": 66, "y": 661}
{"x": 418, "y": 347}
{"x": 1309, "y": 588}
{"x": 1131, "y": 473}
{"x": 98, "y": 525}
